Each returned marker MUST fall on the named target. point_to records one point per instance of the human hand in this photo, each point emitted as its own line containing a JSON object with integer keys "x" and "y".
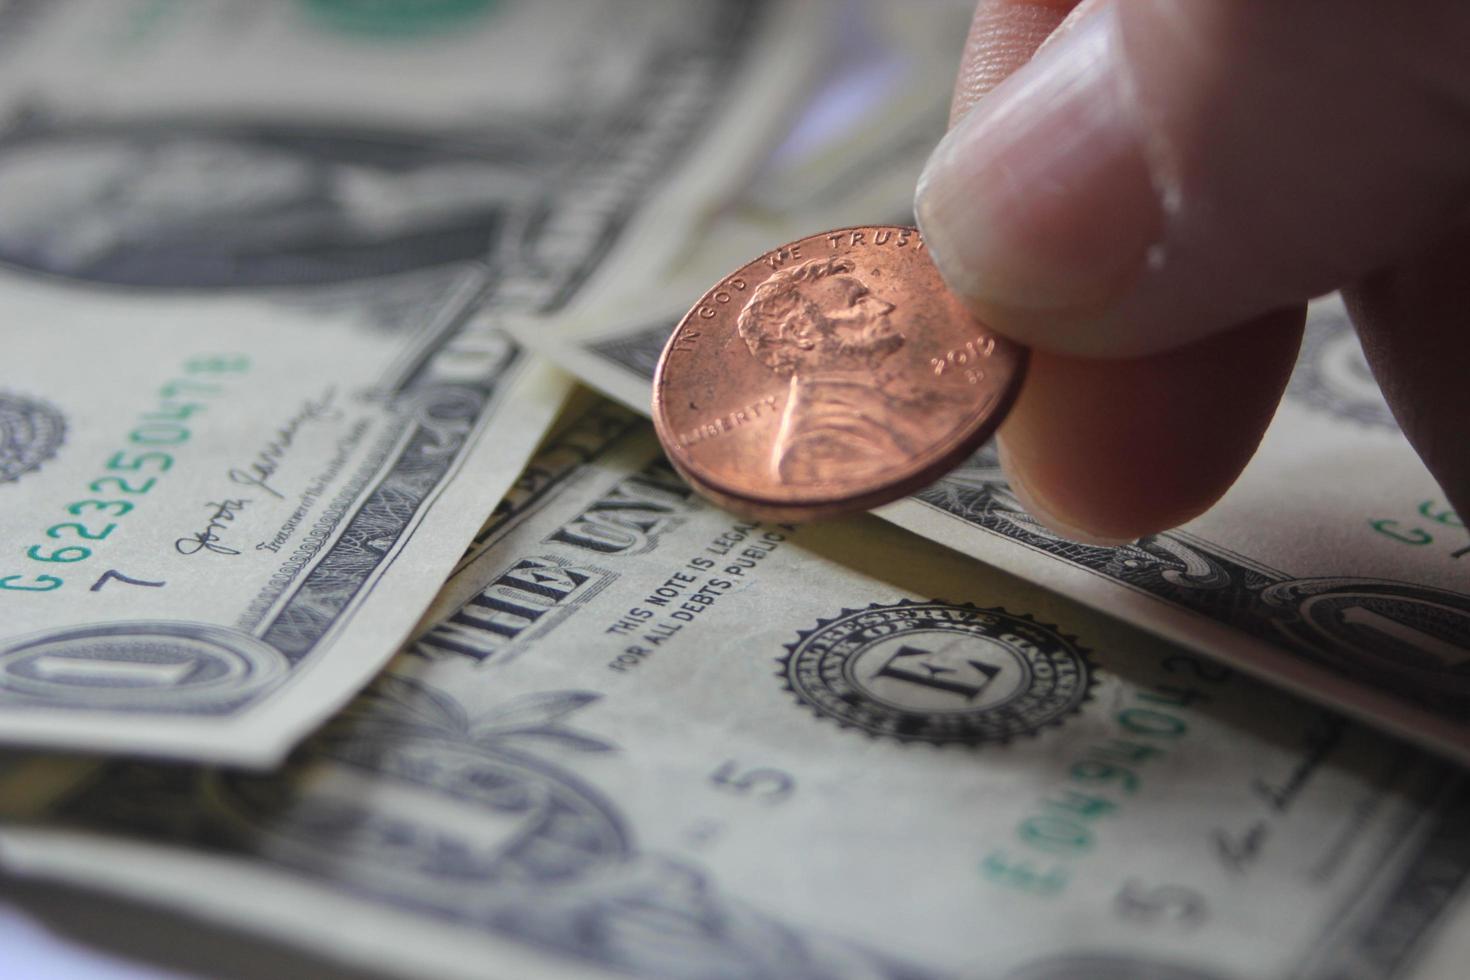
{"x": 1152, "y": 199}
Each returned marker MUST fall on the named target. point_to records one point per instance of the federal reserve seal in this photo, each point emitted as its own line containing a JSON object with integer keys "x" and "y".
{"x": 30, "y": 433}
{"x": 938, "y": 672}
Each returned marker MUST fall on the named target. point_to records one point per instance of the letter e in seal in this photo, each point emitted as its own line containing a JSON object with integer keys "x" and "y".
{"x": 939, "y": 672}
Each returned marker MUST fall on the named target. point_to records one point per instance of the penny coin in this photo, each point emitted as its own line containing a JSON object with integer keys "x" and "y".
{"x": 828, "y": 376}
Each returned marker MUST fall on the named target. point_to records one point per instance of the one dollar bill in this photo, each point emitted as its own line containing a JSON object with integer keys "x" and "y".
{"x": 221, "y": 517}
{"x": 254, "y": 400}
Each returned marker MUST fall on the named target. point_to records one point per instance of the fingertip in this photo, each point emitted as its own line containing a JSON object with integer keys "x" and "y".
{"x": 1109, "y": 451}
{"x": 1039, "y": 508}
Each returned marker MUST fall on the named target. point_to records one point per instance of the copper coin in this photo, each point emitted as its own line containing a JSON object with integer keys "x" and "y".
{"x": 828, "y": 376}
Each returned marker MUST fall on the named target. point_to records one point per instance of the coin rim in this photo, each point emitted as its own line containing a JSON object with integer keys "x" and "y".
{"x": 769, "y": 508}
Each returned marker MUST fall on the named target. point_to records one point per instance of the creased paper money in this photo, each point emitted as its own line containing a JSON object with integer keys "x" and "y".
{"x": 659, "y": 741}
{"x": 254, "y": 403}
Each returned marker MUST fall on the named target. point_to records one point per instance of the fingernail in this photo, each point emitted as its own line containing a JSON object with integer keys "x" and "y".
{"x": 1037, "y": 508}
{"x": 1041, "y": 197}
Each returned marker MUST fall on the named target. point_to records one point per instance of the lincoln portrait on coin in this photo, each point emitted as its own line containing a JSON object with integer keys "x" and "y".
{"x": 820, "y": 325}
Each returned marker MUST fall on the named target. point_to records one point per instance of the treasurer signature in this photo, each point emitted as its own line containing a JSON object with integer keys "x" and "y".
{"x": 225, "y": 512}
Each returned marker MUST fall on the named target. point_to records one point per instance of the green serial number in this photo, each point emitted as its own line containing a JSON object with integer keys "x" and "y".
{"x": 1415, "y": 534}
{"x": 133, "y": 471}
{"x": 1098, "y": 783}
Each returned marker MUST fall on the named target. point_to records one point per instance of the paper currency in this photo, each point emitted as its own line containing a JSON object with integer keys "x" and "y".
{"x": 664, "y": 742}
{"x": 239, "y": 143}
{"x": 254, "y": 405}
{"x": 216, "y": 535}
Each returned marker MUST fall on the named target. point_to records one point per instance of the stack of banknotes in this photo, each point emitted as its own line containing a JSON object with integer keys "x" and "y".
{"x": 347, "y": 604}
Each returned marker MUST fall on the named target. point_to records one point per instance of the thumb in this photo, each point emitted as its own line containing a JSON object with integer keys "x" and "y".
{"x": 1165, "y": 169}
